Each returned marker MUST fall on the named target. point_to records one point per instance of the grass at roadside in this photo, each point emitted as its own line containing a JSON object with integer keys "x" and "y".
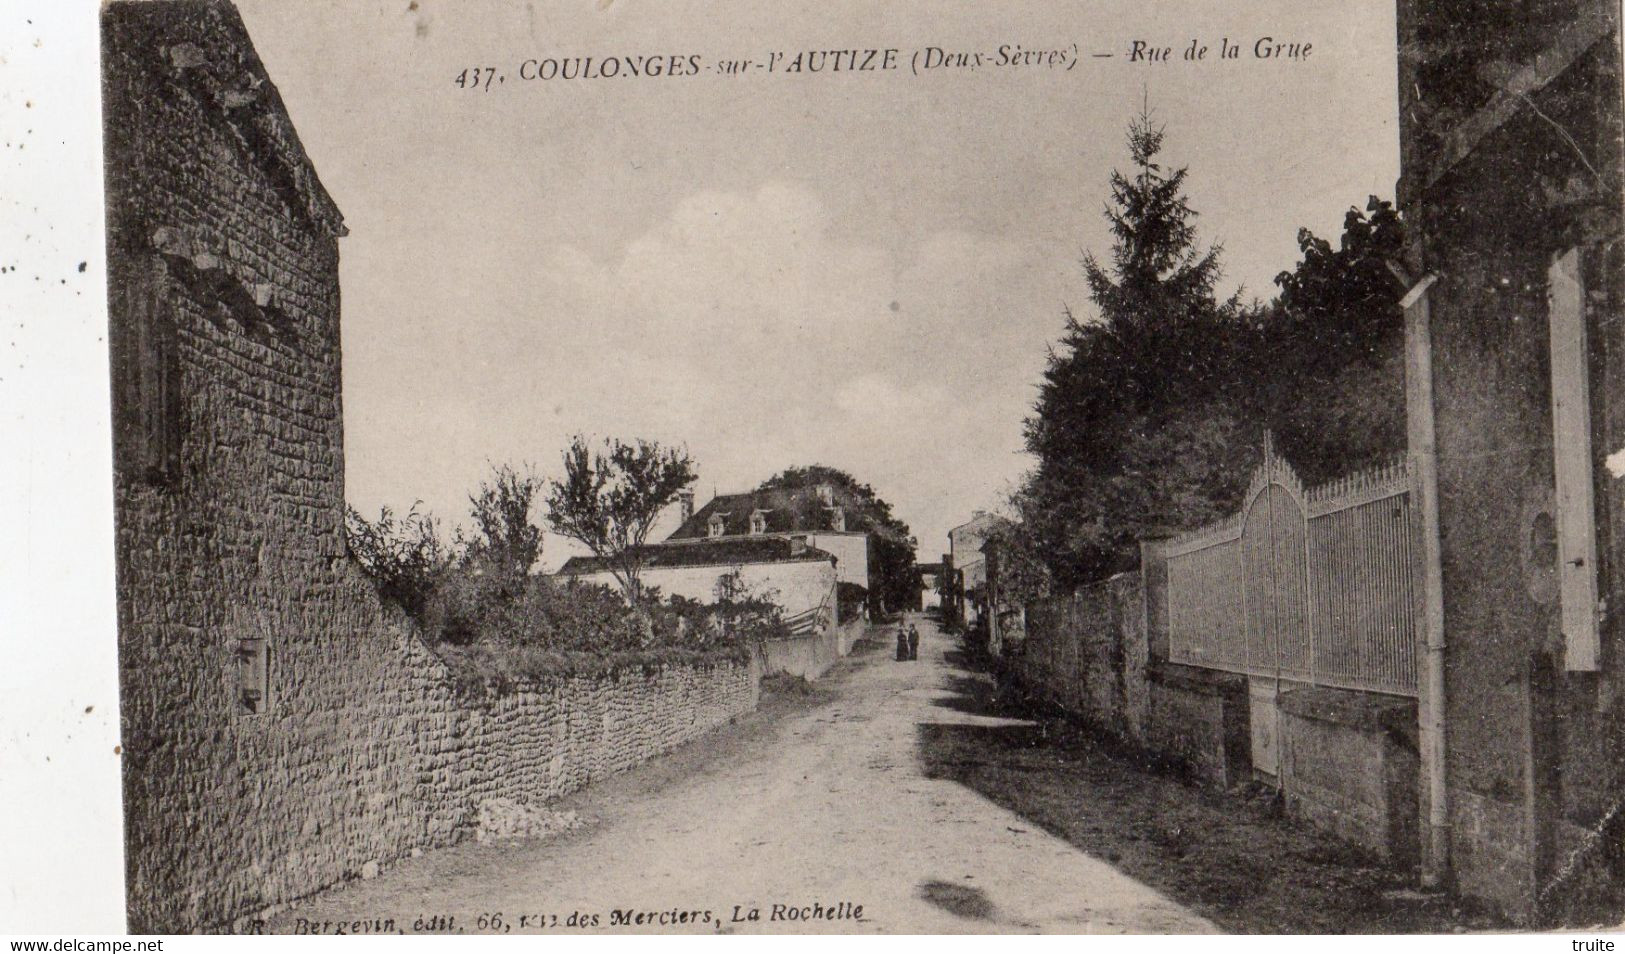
{"x": 1230, "y": 856}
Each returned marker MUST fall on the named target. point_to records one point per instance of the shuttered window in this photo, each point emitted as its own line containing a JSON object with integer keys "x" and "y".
{"x": 1571, "y": 446}
{"x": 147, "y": 380}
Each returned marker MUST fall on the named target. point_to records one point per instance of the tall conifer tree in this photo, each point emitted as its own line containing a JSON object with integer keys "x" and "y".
{"x": 1131, "y": 407}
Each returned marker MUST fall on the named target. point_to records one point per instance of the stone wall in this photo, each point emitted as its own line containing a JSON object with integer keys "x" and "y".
{"x": 1349, "y": 762}
{"x": 806, "y": 656}
{"x": 811, "y": 655}
{"x": 1197, "y": 721}
{"x": 1534, "y": 752}
{"x": 547, "y": 739}
{"x": 1087, "y": 654}
{"x": 282, "y": 730}
{"x": 1349, "y": 766}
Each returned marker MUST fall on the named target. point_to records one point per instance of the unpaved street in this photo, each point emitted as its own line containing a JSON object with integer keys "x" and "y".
{"x": 833, "y": 803}
{"x": 908, "y": 789}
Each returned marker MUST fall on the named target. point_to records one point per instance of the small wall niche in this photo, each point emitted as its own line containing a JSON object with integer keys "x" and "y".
{"x": 253, "y": 675}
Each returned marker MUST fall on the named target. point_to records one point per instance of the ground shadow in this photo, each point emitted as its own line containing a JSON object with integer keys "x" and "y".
{"x": 958, "y": 899}
{"x": 965, "y": 901}
{"x": 1228, "y": 856}
{"x": 970, "y": 696}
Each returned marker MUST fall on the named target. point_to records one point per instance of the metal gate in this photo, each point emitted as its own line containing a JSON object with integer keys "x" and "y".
{"x": 1308, "y": 585}
{"x": 1275, "y": 562}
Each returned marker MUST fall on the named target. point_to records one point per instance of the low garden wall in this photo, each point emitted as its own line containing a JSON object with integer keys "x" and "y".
{"x": 811, "y": 655}
{"x": 1349, "y": 765}
{"x": 1348, "y": 760}
{"x": 545, "y": 739}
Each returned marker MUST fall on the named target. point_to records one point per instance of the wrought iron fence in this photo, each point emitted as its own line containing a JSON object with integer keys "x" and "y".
{"x": 1314, "y": 585}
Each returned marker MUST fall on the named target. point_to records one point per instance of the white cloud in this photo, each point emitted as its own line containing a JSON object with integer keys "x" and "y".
{"x": 741, "y": 325}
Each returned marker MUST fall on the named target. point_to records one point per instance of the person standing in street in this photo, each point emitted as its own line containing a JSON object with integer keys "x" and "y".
{"x": 913, "y": 642}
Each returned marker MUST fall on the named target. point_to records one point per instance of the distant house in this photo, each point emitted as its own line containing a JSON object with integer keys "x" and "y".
{"x": 815, "y": 517}
{"x": 801, "y": 579}
{"x": 965, "y": 548}
{"x": 930, "y": 573}
{"x": 792, "y": 544}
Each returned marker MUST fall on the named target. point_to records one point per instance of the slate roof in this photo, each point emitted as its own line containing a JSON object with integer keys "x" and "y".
{"x": 723, "y": 552}
{"x": 785, "y": 511}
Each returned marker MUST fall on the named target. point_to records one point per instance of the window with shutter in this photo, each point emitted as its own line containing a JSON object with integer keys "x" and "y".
{"x": 147, "y": 385}
{"x": 1571, "y": 447}
{"x": 254, "y": 674}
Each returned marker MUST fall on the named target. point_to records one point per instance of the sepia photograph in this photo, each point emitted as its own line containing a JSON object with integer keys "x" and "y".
{"x": 595, "y": 466}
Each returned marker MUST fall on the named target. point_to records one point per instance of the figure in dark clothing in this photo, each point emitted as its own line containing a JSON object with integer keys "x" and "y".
{"x": 913, "y": 642}
{"x": 902, "y": 643}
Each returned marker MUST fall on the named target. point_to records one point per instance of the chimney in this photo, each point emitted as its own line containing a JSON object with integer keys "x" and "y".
{"x": 685, "y": 504}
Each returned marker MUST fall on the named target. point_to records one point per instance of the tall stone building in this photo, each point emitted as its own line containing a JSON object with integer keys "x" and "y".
{"x": 243, "y": 625}
{"x": 1511, "y": 189}
{"x": 283, "y": 729}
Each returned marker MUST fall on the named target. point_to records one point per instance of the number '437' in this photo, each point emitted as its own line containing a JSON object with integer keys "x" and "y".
{"x": 478, "y": 77}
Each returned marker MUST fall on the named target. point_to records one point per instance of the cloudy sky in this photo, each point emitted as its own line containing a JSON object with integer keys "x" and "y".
{"x": 861, "y": 269}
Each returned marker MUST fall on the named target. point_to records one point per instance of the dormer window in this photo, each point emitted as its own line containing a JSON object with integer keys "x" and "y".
{"x": 826, "y": 495}
{"x": 758, "y": 522}
{"x": 837, "y": 519}
{"x": 714, "y": 526}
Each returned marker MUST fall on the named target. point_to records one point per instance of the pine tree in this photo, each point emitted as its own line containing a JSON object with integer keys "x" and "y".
{"x": 1157, "y": 268}
{"x": 1132, "y": 406}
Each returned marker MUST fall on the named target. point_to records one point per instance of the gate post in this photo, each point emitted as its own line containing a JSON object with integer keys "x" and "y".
{"x": 1430, "y": 688}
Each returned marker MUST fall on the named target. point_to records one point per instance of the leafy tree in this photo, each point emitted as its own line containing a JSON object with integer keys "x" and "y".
{"x": 1149, "y": 419}
{"x": 894, "y": 579}
{"x": 610, "y": 499}
{"x": 745, "y": 612}
{"x": 507, "y": 540}
{"x": 1023, "y": 574}
{"x": 1328, "y": 373}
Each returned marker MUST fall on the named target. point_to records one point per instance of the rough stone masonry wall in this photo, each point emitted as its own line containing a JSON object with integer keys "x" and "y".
{"x": 1090, "y": 654}
{"x": 545, "y": 740}
{"x": 223, "y": 264}
{"x": 1087, "y": 654}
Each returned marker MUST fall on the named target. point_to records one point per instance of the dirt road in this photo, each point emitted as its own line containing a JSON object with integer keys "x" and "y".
{"x": 798, "y": 816}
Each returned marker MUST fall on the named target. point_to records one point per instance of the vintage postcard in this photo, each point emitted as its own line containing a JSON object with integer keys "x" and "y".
{"x": 867, "y": 468}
